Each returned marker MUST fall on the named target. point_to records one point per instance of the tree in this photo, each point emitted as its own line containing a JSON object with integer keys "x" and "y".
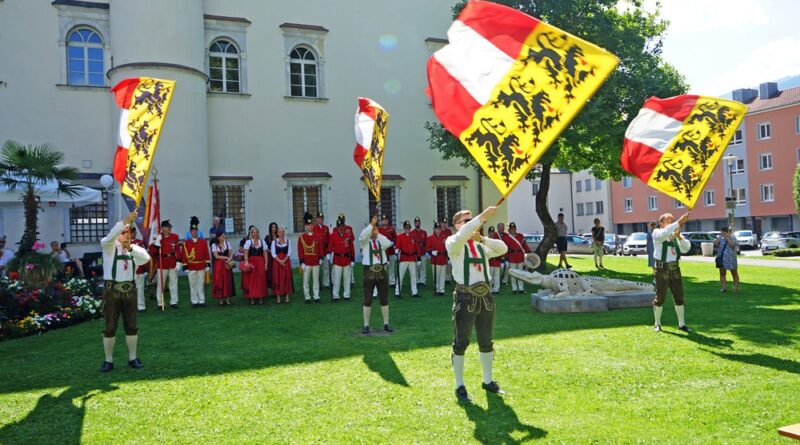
{"x": 593, "y": 140}
{"x": 27, "y": 168}
{"x": 796, "y": 188}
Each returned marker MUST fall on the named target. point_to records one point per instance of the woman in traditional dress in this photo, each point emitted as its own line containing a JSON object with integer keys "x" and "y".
{"x": 244, "y": 266}
{"x": 222, "y": 286}
{"x": 272, "y": 234}
{"x": 255, "y": 254}
{"x": 282, "y": 266}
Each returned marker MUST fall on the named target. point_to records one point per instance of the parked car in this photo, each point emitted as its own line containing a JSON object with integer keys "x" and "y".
{"x": 697, "y": 239}
{"x": 746, "y": 238}
{"x": 635, "y": 244}
{"x": 533, "y": 240}
{"x": 779, "y": 240}
{"x": 576, "y": 244}
{"x": 620, "y": 242}
{"x": 609, "y": 244}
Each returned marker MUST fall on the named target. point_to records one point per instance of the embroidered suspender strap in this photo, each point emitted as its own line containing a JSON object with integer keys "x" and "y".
{"x": 480, "y": 259}
{"x": 372, "y": 252}
{"x": 114, "y": 266}
{"x": 674, "y": 244}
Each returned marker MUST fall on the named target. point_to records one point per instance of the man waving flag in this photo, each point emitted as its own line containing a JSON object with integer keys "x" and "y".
{"x": 674, "y": 144}
{"x": 371, "y": 122}
{"x": 508, "y": 84}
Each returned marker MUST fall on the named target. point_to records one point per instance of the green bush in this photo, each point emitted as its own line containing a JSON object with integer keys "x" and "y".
{"x": 784, "y": 252}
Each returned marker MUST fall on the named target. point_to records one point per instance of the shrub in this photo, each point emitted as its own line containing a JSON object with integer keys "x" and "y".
{"x": 784, "y": 252}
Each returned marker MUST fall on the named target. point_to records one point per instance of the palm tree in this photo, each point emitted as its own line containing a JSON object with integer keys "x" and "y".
{"x": 27, "y": 168}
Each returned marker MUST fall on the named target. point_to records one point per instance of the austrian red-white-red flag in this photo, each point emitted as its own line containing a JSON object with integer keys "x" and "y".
{"x": 674, "y": 144}
{"x": 371, "y": 123}
{"x": 508, "y": 84}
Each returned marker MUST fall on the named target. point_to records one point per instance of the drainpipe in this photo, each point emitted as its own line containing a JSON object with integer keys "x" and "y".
{"x": 571, "y": 203}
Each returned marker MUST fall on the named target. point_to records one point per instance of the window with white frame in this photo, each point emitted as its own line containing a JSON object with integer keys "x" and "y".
{"x": 709, "y": 198}
{"x": 578, "y": 186}
{"x": 579, "y": 209}
{"x": 627, "y": 182}
{"x": 737, "y": 138}
{"x": 448, "y": 201}
{"x": 535, "y": 187}
{"x": 652, "y": 202}
{"x": 305, "y": 198}
{"x": 85, "y": 59}
{"x": 679, "y": 204}
{"x": 304, "y": 47}
{"x": 587, "y": 185}
{"x": 737, "y": 167}
{"x": 88, "y": 224}
{"x": 228, "y": 203}
{"x": 767, "y": 192}
{"x": 590, "y": 208}
{"x": 764, "y": 131}
{"x": 223, "y": 67}
{"x": 598, "y": 184}
{"x": 765, "y": 161}
{"x": 598, "y": 207}
{"x": 627, "y": 205}
{"x": 388, "y": 203}
{"x": 303, "y": 72}
{"x": 740, "y": 194}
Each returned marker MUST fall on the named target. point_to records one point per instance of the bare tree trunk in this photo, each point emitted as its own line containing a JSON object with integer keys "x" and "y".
{"x": 31, "y": 204}
{"x": 543, "y": 213}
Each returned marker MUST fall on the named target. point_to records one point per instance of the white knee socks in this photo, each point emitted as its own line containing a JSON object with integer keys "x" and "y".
{"x": 681, "y": 320}
{"x": 458, "y": 369}
{"x": 108, "y": 348}
{"x": 657, "y": 312}
{"x": 486, "y": 366}
{"x": 131, "y": 341}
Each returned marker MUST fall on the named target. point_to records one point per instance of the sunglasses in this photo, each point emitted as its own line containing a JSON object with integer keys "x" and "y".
{"x": 464, "y": 221}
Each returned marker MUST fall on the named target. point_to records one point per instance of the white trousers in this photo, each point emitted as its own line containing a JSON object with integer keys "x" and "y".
{"x": 326, "y": 271}
{"x": 449, "y": 271}
{"x": 167, "y": 277}
{"x": 515, "y": 283}
{"x": 139, "y": 281}
{"x": 341, "y": 275}
{"x": 422, "y": 269}
{"x": 197, "y": 288}
{"x": 411, "y": 267}
{"x": 311, "y": 272}
{"x": 392, "y": 270}
{"x": 494, "y": 274}
{"x": 440, "y": 273}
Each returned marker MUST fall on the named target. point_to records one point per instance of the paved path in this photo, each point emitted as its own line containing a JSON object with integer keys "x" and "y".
{"x": 750, "y": 261}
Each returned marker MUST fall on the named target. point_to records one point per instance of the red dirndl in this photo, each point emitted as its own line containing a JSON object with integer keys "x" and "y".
{"x": 282, "y": 277}
{"x": 222, "y": 284}
{"x": 256, "y": 278}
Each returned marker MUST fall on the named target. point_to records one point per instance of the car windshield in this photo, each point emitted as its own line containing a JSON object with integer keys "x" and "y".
{"x": 772, "y": 235}
{"x": 610, "y": 238}
{"x": 638, "y": 236}
{"x": 743, "y": 233}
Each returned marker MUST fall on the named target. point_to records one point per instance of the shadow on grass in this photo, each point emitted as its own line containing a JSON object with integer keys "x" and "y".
{"x": 763, "y": 360}
{"x": 382, "y": 363}
{"x": 54, "y": 419}
{"x": 499, "y": 423}
{"x": 711, "y": 342}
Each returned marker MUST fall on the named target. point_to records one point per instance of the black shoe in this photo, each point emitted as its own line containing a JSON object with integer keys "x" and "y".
{"x": 308, "y": 301}
{"x": 461, "y": 394}
{"x": 106, "y": 366}
{"x": 416, "y": 296}
{"x": 141, "y": 310}
{"x": 492, "y": 387}
{"x": 317, "y": 301}
{"x": 365, "y": 330}
{"x": 684, "y": 328}
{"x": 335, "y": 300}
{"x": 202, "y": 305}
{"x": 173, "y": 306}
{"x": 136, "y": 364}
{"x": 398, "y": 296}
{"x": 388, "y": 328}
{"x": 195, "y": 305}
{"x": 657, "y": 328}
{"x": 569, "y": 266}
{"x": 347, "y": 300}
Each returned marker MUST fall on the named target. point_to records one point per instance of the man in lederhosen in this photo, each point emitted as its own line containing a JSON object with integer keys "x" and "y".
{"x": 473, "y": 302}
{"x": 668, "y": 245}
{"x": 120, "y": 258}
{"x": 375, "y": 261}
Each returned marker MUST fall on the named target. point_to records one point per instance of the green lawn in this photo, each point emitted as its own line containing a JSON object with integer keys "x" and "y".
{"x": 300, "y": 374}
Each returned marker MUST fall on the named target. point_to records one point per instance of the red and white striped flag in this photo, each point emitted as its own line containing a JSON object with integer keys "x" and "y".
{"x": 152, "y": 213}
{"x": 674, "y": 144}
{"x": 371, "y": 123}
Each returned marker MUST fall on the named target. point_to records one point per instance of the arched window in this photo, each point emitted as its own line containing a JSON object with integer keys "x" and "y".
{"x": 85, "y": 58}
{"x": 223, "y": 67}
{"x": 303, "y": 72}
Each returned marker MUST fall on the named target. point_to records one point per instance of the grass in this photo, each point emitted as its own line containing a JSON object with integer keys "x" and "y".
{"x": 300, "y": 374}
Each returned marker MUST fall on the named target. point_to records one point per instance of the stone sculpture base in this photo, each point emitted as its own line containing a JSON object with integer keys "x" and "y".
{"x": 547, "y": 303}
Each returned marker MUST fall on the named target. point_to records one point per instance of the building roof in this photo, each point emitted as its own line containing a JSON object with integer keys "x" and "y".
{"x": 789, "y": 96}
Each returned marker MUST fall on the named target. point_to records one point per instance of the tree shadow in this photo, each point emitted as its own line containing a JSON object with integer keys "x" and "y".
{"x": 498, "y": 423}
{"x": 763, "y": 360}
{"x": 54, "y": 418}
{"x": 381, "y": 362}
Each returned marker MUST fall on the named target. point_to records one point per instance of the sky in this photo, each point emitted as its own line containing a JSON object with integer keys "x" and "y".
{"x": 723, "y": 45}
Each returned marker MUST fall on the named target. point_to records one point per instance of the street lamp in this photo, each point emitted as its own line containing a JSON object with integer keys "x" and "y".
{"x": 107, "y": 181}
{"x": 730, "y": 202}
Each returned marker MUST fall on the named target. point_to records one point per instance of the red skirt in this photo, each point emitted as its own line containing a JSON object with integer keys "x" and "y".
{"x": 282, "y": 277}
{"x": 270, "y": 264}
{"x": 256, "y": 279}
{"x": 222, "y": 284}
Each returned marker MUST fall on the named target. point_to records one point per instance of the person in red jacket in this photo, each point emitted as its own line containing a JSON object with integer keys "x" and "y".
{"x": 421, "y": 237}
{"x": 438, "y": 253}
{"x": 409, "y": 252}
{"x": 348, "y": 231}
{"x": 517, "y": 248}
{"x": 166, "y": 252}
{"x": 322, "y": 232}
{"x": 388, "y": 230}
{"x": 198, "y": 259}
{"x": 309, "y": 252}
{"x": 343, "y": 251}
{"x": 446, "y": 232}
{"x": 495, "y": 264}
{"x": 140, "y": 272}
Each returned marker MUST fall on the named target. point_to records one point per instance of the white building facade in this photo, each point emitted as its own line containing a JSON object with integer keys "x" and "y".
{"x": 261, "y": 123}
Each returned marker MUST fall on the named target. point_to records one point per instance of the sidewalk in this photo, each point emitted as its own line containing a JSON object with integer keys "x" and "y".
{"x": 788, "y": 263}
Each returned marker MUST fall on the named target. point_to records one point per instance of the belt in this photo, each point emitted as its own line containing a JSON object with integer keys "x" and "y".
{"x": 120, "y": 286}
{"x": 342, "y": 254}
{"x": 663, "y": 265}
{"x": 480, "y": 289}
{"x": 377, "y": 267}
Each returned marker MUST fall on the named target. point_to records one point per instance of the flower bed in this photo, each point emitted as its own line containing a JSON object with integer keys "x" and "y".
{"x": 26, "y": 310}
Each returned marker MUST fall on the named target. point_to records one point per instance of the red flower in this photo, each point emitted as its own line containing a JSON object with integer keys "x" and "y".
{"x": 14, "y": 276}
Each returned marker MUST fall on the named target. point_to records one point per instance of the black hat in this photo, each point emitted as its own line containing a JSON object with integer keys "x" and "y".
{"x": 320, "y": 215}
{"x": 512, "y": 225}
{"x": 406, "y": 224}
{"x": 194, "y": 222}
{"x": 436, "y": 225}
{"x": 341, "y": 215}
{"x": 385, "y": 216}
{"x": 308, "y": 219}
{"x": 491, "y": 228}
{"x": 340, "y": 221}
{"x": 417, "y": 219}
{"x": 166, "y": 223}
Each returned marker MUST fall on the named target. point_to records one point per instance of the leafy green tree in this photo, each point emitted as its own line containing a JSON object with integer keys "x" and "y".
{"x": 28, "y": 168}
{"x": 796, "y": 188}
{"x": 593, "y": 140}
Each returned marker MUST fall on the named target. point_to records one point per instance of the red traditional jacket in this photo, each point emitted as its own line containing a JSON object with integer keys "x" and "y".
{"x": 498, "y": 260}
{"x": 342, "y": 248}
{"x": 517, "y": 247}
{"x": 322, "y": 233}
{"x": 408, "y": 247}
{"x": 421, "y": 237}
{"x": 146, "y": 266}
{"x": 391, "y": 234}
{"x": 196, "y": 254}
{"x": 309, "y": 250}
{"x": 170, "y": 252}
{"x": 436, "y": 244}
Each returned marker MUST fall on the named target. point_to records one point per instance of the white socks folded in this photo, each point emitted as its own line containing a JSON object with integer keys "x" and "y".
{"x": 108, "y": 348}
{"x": 657, "y": 310}
{"x": 681, "y": 318}
{"x": 487, "y": 358}
{"x": 679, "y": 310}
{"x": 131, "y": 341}
{"x": 458, "y": 369}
